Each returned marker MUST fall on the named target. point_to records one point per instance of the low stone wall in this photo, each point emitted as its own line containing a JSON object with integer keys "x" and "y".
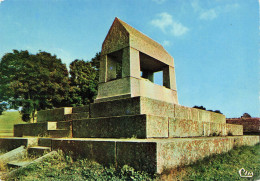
{"x": 250, "y": 125}
{"x": 151, "y": 155}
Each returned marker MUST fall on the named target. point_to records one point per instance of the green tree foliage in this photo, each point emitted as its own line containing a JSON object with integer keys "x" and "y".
{"x": 34, "y": 82}
{"x": 83, "y": 82}
{"x": 3, "y": 107}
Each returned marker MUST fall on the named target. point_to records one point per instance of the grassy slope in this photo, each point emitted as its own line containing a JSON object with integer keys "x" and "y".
{"x": 7, "y": 121}
{"x": 217, "y": 167}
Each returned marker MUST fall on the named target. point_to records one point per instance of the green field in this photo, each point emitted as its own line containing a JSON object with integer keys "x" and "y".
{"x": 7, "y": 121}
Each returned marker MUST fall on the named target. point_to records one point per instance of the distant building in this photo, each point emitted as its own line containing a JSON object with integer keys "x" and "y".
{"x": 250, "y": 124}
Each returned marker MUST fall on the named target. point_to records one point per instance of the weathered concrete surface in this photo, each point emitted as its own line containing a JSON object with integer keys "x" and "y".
{"x": 198, "y": 114}
{"x": 58, "y": 130}
{"x": 189, "y": 128}
{"x": 31, "y": 129}
{"x": 81, "y": 115}
{"x": 129, "y": 106}
{"x": 145, "y": 105}
{"x": 53, "y": 114}
{"x": 140, "y": 155}
{"x": 137, "y": 126}
{"x": 14, "y": 142}
{"x": 233, "y": 129}
{"x": 134, "y": 52}
{"x": 152, "y": 155}
{"x": 186, "y": 151}
{"x": 101, "y": 151}
{"x": 250, "y": 125}
{"x": 80, "y": 109}
{"x": 14, "y": 171}
{"x": 135, "y": 87}
{"x": 13, "y": 154}
{"x": 185, "y": 128}
{"x": 149, "y": 126}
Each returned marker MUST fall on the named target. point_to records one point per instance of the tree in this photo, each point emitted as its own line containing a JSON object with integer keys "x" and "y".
{"x": 3, "y": 107}
{"x": 246, "y": 115}
{"x": 83, "y": 82}
{"x": 34, "y": 82}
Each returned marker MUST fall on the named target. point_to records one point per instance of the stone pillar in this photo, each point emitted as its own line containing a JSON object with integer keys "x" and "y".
{"x": 148, "y": 75}
{"x": 103, "y": 69}
{"x": 130, "y": 63}
{"x": 111, "y": 68}
{"x": 169, "y": 78}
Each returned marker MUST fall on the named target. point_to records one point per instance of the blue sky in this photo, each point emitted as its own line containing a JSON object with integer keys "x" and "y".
{"x": 214, "y": 42}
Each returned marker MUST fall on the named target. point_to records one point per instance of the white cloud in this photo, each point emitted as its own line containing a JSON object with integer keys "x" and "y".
{"x": 165, "y": 22}
{"x": 159, "y": 1}
{"x": 208, "y": 15}
{"x": 178, "y": 29}
{"x": 1, "y": 1}
{"x": 166, "y": 43}
{"x": 212, "y": 13}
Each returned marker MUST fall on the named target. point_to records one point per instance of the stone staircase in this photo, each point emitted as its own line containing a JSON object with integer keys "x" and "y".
{"x": 144, "y": 133}
{"x": 57, "y": 125}
{"x": 33, "y": 152}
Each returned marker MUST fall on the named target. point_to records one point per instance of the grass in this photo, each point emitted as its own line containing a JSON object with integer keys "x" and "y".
{"x": 7, "y": 121}
{"x": 217, "y": 167}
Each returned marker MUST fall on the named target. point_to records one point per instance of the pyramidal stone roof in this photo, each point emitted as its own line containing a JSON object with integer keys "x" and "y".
{"x": 135, "y": 32}
{"x": 123, "y": 35}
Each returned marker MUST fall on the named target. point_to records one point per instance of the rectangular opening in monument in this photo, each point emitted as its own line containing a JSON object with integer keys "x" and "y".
{"x": 114, "y": 65}
{"x": 158, "y": 78}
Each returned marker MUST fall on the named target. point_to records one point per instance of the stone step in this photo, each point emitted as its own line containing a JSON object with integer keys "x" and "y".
{"x": 80, "y": 109}
{"x": 19, "y": 163}
{"x": 143, "y": 105}
{"x": 73, "y": 116}
{"x": 149, "y": 126}
{"x": 59, "y": 133}
{"x": 51, "y": 125}
{"x": 44, "y": 142}
{"x": 132, "y": 126}
{"x": 38, "y": 150}
{"x": 151, "y": 155}
{"x": 64, "y": 125}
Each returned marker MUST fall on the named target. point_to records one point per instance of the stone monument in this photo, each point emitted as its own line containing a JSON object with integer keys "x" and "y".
{"x": 128, "y": 60}
{"x": 132, "y": 121}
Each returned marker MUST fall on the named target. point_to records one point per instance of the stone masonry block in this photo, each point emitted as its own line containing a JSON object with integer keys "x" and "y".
{"x": 156, "y": 127}
{"x": 184, "y": 128}
{"x": 100, "y": 151}
{"x": 183, "y": 112}
{"x": 111, "y": 127}
{"x": 135, "y": 126}
{"x": 80, "y": 109}
{"x": 204, "y": 116}
{"x": 217, "y": 118}
{"x": 32, "y": 129}
{"x": 140, "y": 155}
{"x": 155, "y": 107}
{"x": 233, "y": 129}
{"x": 214, "y": 129}
{"x": 53, "y": 114}
{"x": 130, "y": 106}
